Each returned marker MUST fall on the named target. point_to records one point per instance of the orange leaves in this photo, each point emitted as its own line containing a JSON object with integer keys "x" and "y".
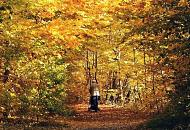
{"x": 138, "y": 7}
{"x": 141, "y": 5}
{"x": 64, "y": 32}
{"x": 55, "y": 23}
{"x": 46, "y": 14}
{"x": 77, "y": 2}
{"x": 71, "y": 41}
{"x": 169, "y": 1}
{"x": 139, "y": 22}
{"x": 175, "y": 46}
{"x": 45, "y": 35}
{"x": 183, "y": 3}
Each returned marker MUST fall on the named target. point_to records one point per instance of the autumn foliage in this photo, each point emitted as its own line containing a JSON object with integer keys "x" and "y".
{"x": 137, "y": 50}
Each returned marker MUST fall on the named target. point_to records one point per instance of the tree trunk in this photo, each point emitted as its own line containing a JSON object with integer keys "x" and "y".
{"x": 145, "y": 81}
{"x": 96, "y": 65}
{"x": 88, "y": 73}
{"x": 153, "y": 83}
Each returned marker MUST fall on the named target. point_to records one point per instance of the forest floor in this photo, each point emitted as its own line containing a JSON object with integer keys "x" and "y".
{"x": 108, "y": 118}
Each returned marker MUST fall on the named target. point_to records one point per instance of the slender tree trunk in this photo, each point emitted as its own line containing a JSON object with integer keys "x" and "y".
{"x": 164, "y": 84}
{"x": 6, "y": 75}
{"x": 153, "y": 83}
{"x": 96, "y": 65}
{"x": 136, "y": 74}
{"x": 145, "y": 81}
{"x": 139, "y": 94}
{"x": 145, "y": 74}
{"x": 88, "y": 73}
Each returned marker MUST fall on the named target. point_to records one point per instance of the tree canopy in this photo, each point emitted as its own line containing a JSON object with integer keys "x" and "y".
{"x": 50, "y": 50}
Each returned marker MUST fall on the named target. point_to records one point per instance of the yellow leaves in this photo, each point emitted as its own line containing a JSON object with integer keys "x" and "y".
{"x": 12, "y": 94}
{"x": 46, "y": 8}
{"x": 66, "y": 32}
{"x": 148, "y": 5}
{"x": 46, "y": 1}
{"x": 54, "y": 28}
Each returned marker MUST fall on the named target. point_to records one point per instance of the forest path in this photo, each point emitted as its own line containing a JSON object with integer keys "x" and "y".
{"x": 108, "y": 118}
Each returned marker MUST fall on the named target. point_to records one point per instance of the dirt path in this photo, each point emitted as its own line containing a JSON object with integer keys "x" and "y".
{"x": 108, "y": 118}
